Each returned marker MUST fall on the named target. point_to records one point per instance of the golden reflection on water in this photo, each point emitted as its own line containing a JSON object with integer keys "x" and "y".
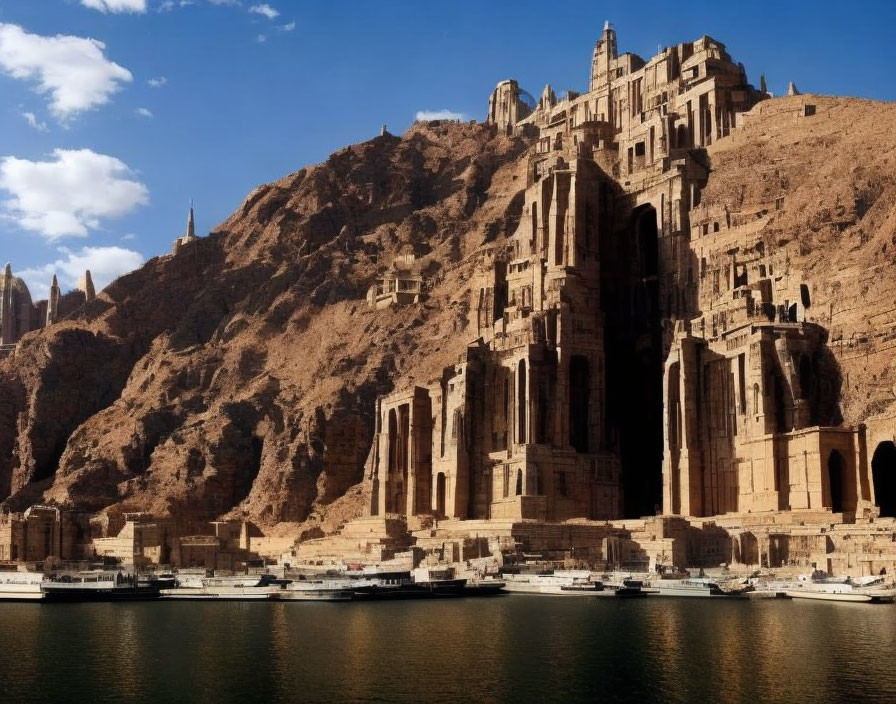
{"x": 26, "y": 621}
{"x": 125, "y": 650}
{"x": 512, "y": 648}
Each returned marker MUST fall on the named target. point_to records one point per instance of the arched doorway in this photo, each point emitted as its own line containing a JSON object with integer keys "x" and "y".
{"x": 440, "y": 493}
{"x": 579, "y": 402}
{"x": 836, "y": 471}
{"x": 883, "y": 474}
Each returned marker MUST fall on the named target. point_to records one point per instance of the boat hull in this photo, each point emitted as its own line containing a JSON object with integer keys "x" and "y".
{"x": 554, "y": 590}
{"x": 314, "y": 595}
{"x": 426, "y": 590}
{"x": 218, "y": 593}
{"x": 80, "y": 594}
{"x": 829, "y": 596}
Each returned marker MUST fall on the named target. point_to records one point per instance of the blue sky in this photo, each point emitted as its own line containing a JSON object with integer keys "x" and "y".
{"x": 114, "y": 113}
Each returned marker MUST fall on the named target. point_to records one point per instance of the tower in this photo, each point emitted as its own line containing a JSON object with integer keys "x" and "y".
{"x": 7, "y": 316}
{"x": 85, "y": 284}
{"x": 605, "y": 54}
{"x": 191, "y": 227}
{"x": 53, "y": 302}
{"x": 189, "y": 235}
{"x": 506, "y": 106}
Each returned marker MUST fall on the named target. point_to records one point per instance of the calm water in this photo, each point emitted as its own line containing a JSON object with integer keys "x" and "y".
{"x": 505, "y": 649}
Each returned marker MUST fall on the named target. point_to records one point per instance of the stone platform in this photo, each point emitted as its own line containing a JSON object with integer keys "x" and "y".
{"x": 797, "y": 540}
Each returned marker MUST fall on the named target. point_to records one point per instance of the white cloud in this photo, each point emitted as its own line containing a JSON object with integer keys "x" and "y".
{"x": 157, "y": 82}
{"x": 116, "y": 5}
{"x": 129, "y": 236}
{"x": 225, "y": 2}
{"x": 427, "y": 115}
{"x": 261, "y": 38}
{"x": 105, "y": 263}
{"x": 143, "y": 112}
{"x": 266, "y": 10}
{"x": 72, "y": 70}
{"x": 288, "y": 27}
{"x": 70, "y": 195}
{"x": 32, "y": 120}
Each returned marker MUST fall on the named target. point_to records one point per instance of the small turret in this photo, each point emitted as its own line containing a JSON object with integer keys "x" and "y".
{"x": 53, "y": 302}
{"x": 792, "y": 89}
{"x": 548, "y": 98}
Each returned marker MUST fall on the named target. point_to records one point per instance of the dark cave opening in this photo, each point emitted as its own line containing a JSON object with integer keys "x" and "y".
{"x": 634, "y": 363}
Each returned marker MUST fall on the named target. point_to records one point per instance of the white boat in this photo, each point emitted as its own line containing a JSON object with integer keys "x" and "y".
{"x": 21, "y": 586}
{"x": 238, "y": 588}
{"x": 557, "y": 583}
{"x": 316, "y": 590}
{"x": 868, "y": 589}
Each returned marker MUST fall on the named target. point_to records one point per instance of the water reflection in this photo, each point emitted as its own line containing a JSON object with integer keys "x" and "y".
{"x": 509, "y": 649}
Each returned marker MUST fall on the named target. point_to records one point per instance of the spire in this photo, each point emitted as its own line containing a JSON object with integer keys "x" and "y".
{"x": 7, "y": 329}
{"x": 85, "y": 284}
{"x": 191, "y": 227}
{"x": 53, "y": 302}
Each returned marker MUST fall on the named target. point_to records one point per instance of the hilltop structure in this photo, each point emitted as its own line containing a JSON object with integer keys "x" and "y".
{"x": 189, "y": 235}
{"x": 19, "y": 315}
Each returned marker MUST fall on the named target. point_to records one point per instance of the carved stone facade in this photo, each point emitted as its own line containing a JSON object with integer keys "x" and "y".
{"x": 634, "y": 355}
{"x": 402, "y": 284}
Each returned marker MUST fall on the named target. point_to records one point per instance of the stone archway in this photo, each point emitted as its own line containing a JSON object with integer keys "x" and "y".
{"x": 883, "y": 474}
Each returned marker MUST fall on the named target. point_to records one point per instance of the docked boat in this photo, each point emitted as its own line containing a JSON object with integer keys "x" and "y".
{"x": 97, "y": 586}
{"x": 556, "y": 583}
{"x": 421, "y": 583}
{"x": 867, "y": 590}
{"x": 692, "y": 587}
{"x": 237, "y": 588}
{"x": 21, "y": 586}
{"x": 485, "y": 586}
{"x": 316, "y": 590}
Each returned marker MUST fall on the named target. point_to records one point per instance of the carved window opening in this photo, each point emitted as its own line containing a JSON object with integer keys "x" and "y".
{"x": 579, "y": 402}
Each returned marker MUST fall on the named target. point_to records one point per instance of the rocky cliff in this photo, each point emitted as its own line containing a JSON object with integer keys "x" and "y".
{"x": 239, "y": 377}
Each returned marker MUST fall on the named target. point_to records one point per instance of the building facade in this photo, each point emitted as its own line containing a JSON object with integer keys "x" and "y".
{"x": 639, "y": 352}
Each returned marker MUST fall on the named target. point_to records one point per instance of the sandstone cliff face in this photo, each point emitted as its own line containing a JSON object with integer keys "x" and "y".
{"x": 823, "y": 193}
{"x": 239, "y": 377}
